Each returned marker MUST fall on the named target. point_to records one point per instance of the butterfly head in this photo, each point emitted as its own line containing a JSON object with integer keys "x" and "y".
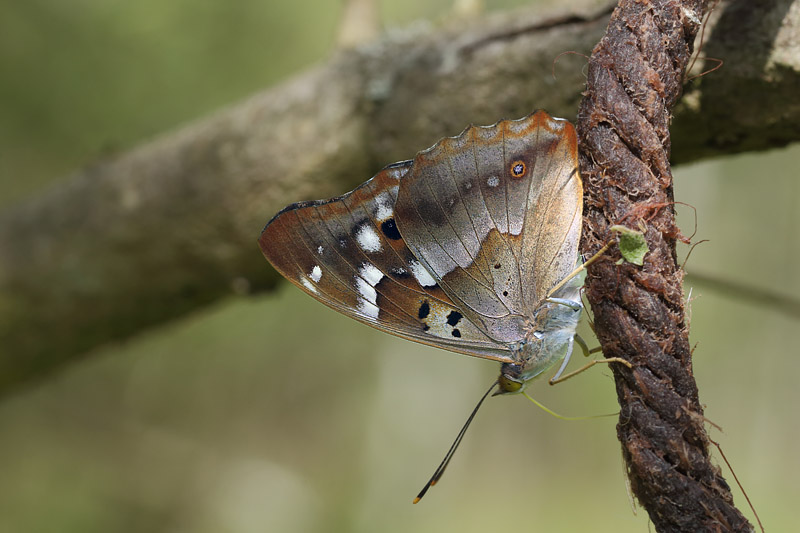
{"x": 510, "y": 380}
{"x": 535, "y": 355}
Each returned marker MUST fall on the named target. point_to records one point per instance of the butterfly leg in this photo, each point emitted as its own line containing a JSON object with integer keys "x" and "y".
{"x": 564, "y": 363}
{"x": 575, "y": 306}
{"x": 586, "y": 353}
{"x": 558, "y": 378}
{"x": 585, "y": 347}
{"x": 580, "y": 268}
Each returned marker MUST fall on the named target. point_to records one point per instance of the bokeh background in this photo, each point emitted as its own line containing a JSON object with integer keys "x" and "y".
{"x": 273, "y": 413}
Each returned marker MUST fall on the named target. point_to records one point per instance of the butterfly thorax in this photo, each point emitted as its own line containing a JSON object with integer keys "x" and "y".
{"x": 548, "y": 340}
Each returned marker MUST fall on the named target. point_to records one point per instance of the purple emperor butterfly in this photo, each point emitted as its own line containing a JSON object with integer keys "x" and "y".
{"x": 459, "y": 248}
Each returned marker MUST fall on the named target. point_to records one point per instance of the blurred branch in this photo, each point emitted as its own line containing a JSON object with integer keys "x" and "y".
{"x": 360, "y": 23}
{"x": 776, "y": 302}
{"x": 169, "y": 227}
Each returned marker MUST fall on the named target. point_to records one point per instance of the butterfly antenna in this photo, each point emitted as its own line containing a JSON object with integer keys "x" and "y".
{"x": 437, "y": 475}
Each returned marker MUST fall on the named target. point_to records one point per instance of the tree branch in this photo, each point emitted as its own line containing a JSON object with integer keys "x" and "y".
{"x": 169, "y": 227}
{"x": 636, "y": 76}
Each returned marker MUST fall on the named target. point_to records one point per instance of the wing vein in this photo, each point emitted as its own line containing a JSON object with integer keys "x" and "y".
{"x": 508, "y": 217}
{"x": 478, "y": 239}
{"x": 563, "y": 240}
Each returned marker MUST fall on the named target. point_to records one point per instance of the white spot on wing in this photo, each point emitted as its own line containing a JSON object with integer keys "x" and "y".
{"x": 421, "y": 274}
{"x": 316, "y": 274}
{"x": 368, "y": 277}
{"x": 384, "y": 208}
{"x": 307, "y": 284}
{"x": 370, "y": 273}
{"x": 494, "y": 181}
{"x": 320, "y": 249}
{"x": 368, "y": 239}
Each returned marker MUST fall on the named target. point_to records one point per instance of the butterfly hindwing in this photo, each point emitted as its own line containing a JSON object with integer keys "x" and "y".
{"x": 552, "y": 226}
{"x": 348, "y": 253}
{"x": 489, "y": 214}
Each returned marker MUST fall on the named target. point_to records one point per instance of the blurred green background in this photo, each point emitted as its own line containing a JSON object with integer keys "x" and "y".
{"x": 274, "y": 413}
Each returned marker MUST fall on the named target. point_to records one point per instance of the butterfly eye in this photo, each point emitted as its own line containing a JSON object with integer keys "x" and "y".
{"x": 518, "y": 169}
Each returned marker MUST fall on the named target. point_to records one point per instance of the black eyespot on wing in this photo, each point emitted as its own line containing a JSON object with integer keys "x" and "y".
{"x": 456, "y": 333}
{"x": 497, "y": 265}
{"x": 424, "y": 311}
{"x": 425, "y": 327}
{"x": 453, "y": 319}
{"x": 389, "y": 228}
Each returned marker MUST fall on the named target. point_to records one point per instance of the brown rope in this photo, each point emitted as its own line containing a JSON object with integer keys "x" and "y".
{"x": 635, "y": 78}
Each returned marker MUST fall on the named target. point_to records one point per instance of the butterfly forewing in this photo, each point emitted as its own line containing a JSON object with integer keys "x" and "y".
{"x": 349, "y": 253}
{"x": 474, "y": 208}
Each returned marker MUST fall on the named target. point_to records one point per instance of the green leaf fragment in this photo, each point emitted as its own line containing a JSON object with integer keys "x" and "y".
{"x": 632, "y": 244}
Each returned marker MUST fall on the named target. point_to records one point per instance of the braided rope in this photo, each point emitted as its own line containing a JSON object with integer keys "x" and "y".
{"x": 635, "y": 77}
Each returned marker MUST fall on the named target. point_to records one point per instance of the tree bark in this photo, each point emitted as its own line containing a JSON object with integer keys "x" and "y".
{"x": 636, "y": 75}
{"x": 152, "y": 234}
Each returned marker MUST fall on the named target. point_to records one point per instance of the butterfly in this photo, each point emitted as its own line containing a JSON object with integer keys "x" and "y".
{"x": 471, "y": 247}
